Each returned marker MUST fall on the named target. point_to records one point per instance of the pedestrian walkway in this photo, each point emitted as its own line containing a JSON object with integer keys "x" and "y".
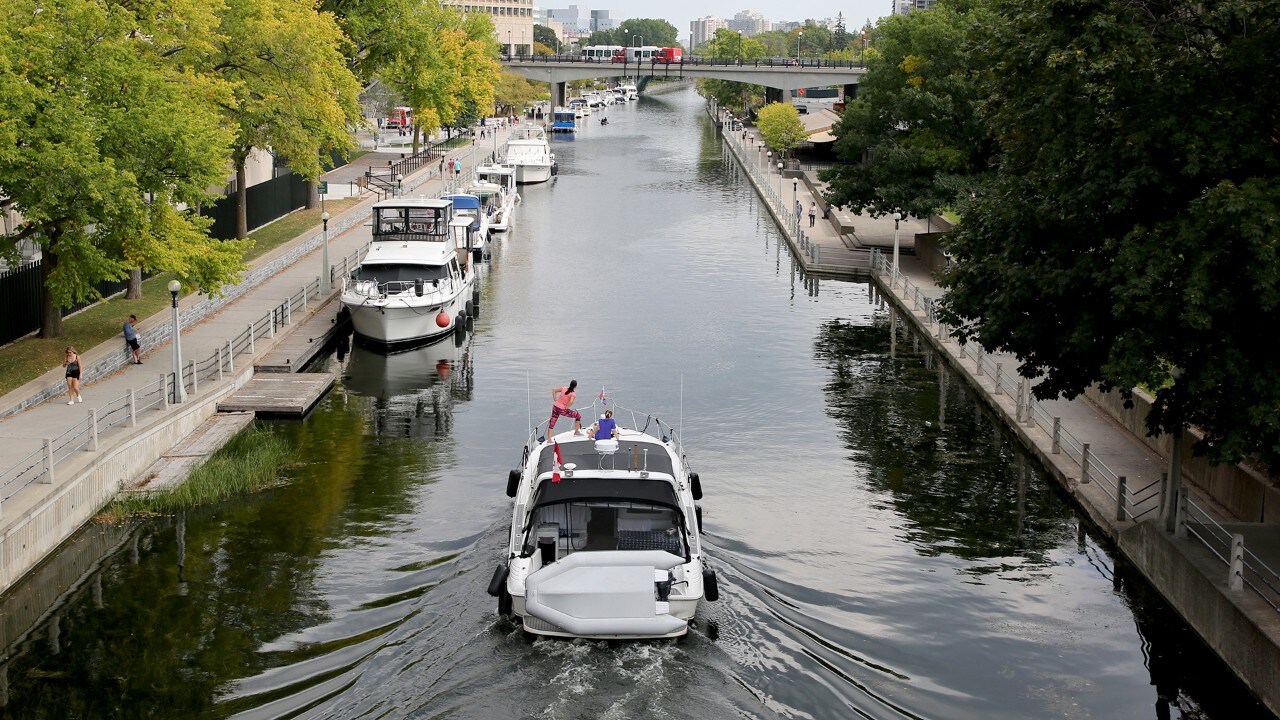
{"x": 48, "y": 447}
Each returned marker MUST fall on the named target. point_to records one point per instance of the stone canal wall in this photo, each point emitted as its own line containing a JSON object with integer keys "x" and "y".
{"x": 1238, "y": 624}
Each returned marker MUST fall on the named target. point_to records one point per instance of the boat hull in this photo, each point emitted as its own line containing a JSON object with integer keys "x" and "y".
{"x": 530, "y": 174}
{"x": 398, "y": 321}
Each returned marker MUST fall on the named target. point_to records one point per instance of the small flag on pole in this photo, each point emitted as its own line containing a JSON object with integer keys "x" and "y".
{"x": 555, "y": 467}
{"x": 603, "y": 401}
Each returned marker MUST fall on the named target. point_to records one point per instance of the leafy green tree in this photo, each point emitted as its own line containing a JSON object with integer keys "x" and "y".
{"x": 912, "y": 141}
{"x": 106, "y": 130}
{"x": 513, "y": 92}
{"x": 780, "y": 127}
{"x": 840, "y": 37}
{"x": 546, "y": 36}
{"x": 294, "y": 92}
{"x": 604, "y": 37}
{"x": 729, "y": 44}
{"x": 647, "y": 31}
{"x": 1129, "y": 235}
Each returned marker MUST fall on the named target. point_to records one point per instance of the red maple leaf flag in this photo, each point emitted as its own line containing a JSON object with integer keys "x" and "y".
{"x": 555, "y": 466}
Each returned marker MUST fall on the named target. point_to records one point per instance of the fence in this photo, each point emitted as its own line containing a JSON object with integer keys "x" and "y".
{"x": 40, "y": 465}
{"x": 20, "y": 298}
{"x": 264, "y": 202}
{"x": 1244, "y": 567}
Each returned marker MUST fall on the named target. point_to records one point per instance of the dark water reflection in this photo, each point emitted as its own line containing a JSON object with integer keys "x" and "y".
{"x": 885, "y": 549}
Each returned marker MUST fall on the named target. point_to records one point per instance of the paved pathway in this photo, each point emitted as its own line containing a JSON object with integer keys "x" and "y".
{"x": 22, "y": 434}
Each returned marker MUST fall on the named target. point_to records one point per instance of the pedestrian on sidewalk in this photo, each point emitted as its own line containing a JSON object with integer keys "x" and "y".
{"x": 799, "y": 210}
{"x": 813, "y": 213}
{"x": 131, "y": 339}
{"x": 72, "y": 364}
{"x": 457, "y": 168}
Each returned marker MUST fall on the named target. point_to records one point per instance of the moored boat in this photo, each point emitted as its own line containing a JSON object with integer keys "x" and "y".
{"x": 530, "y": 154}
{"x": 495, "y": 185}
{"x": 415, "y": 283}
{"x": 466, "y": 205}
{"x": 604, "y": 539}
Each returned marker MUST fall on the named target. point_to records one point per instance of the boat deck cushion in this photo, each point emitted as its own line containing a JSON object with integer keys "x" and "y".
{"x": 585, "y": 455}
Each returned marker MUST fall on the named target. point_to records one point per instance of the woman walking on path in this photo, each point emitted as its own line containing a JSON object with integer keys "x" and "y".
{"x": 813, "y": 213}
{"x": 562, "y": 404}
{"x": 72, "y": 364}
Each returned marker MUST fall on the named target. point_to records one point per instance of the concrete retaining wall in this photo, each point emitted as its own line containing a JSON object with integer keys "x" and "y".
{"x": 1248, "y": 494}
{"x": 44, "y": 526}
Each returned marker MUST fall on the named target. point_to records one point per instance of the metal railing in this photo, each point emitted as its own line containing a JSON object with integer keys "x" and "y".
{"x": 692, "y": 61}
{"x": 84, "y": 434}
{"x": 1243, "y": 566}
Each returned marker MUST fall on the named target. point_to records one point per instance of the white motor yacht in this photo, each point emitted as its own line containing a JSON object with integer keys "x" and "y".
{"x": 495, "y": 185}
{"x": 415, "y": 284}
{"x": 530, "y": 154}
{"x": 604, "y": 538}
{"x": 466, "y": 205}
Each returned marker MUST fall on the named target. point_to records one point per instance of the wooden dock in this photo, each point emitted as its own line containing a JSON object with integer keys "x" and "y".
{"x": 305, "y": 339}
{"x": 279, "y": 394}
{"x": 174, "y": 466}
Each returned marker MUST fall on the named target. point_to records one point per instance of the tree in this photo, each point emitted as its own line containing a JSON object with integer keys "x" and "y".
{"x": 294, "y": 92}
{"x": 605, "y": 37}
{"x": 912, "y": 141}
{"x": 546, "y": 36}
{"x": 780, "y": 127}
{"x": 647, "y": 31}
{"x": 729, "y": 44}
{"x": 92, "y": 152}
{"x": 1129, "y": 234}
{"x": 513, "y": 92}
{"x": 840, "y": 37}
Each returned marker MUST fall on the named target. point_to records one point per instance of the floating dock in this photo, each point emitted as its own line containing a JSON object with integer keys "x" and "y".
{"x": 305, "y": 340}
{"x": 279, "y": 394}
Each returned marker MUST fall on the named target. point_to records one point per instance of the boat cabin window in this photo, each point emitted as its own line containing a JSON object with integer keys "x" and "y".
{"x": 398, "y": 273}
{"x": 606, "y": 525}
{"x": 414, "y": 220}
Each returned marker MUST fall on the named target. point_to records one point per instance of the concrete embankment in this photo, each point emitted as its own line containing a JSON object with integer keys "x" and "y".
{"x": 1114, "y": 476}
{"x": 60, "y": 465}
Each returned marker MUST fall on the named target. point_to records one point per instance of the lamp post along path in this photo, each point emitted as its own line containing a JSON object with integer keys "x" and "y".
{"x": 179, "y": 389}
{"x": 897, "y": 218}
{"x": 324, "y": 255}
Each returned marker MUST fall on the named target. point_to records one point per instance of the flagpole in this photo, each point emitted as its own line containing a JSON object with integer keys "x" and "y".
{"x": 681, "y": 405}
{"x": 528, "y": 401}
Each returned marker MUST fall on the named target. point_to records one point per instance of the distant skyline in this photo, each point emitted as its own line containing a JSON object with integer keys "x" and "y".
{"x": 680, "y": 13}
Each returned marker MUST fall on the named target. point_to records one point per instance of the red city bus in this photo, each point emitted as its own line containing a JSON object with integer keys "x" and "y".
{"x": 669, "y": 55}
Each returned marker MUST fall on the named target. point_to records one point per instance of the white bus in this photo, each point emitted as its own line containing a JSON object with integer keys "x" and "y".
{"x": 599, "y": 53}
{"x": 642, "y": 54}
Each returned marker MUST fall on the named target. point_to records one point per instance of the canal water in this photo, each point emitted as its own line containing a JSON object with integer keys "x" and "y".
{"x": 885, "y": 550}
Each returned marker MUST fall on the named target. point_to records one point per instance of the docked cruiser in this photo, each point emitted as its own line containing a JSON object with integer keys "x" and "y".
{"x": 604, "y": 538}
{"x": 495, "y": 185}
{"x": 416, "y": 283}
{"x": 530, "y": 154}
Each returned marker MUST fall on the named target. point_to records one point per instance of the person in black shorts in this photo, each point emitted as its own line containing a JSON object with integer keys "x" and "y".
{"x": 72, "y": 364}
{"x": 131, "y": 339}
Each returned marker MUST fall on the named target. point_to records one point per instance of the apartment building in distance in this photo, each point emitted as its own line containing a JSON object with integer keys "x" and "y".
{"x": 703, "y": 30}
{"x": 512, "y": 21}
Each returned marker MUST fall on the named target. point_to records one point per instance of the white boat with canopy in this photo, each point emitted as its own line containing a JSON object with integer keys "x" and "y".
{"x": 604, "y": 536}
{"x": 416, "y": 282}
{"x": 530, "y": 154}
{"x": 495, "y": 185}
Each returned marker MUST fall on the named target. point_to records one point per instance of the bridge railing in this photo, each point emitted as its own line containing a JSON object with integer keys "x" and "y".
{"x": 775, "y": 62}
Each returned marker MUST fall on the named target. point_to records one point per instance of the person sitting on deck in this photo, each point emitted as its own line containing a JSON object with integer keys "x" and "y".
{"x": 607, "y": 428}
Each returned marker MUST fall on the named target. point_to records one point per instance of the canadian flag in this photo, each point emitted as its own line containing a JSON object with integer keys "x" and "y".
{"x": 555, "y": 467}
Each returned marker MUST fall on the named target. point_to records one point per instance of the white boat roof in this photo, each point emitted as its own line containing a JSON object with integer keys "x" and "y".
{"x": 412, "y": 252}
{"x": 412, "y": 202}
{"x": 495, "y": 170}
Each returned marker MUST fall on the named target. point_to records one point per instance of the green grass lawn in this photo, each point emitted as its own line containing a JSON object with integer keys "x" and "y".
{"x": 28, "y": 358}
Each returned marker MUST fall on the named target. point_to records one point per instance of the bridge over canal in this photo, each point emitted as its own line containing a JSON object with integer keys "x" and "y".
{"x": 777, "y": 76}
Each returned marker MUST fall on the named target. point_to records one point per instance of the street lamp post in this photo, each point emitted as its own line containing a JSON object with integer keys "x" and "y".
{"x": 399, "y": 184}
{"x": 511, "y": 49}
{"x": 324, "y": 255}
{"x": 795, "y": 193}
{"x": 522, "y": 43}
{"x": 769, "y": 160}
{"x": 897, "y": 219}
{"x": 798, "y": 34}
{"x": 179, "y": 392}
{"x": 780, "y": 181}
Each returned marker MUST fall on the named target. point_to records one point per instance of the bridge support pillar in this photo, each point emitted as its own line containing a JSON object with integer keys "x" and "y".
{"x": 772, "y": 95}
{"x": 558, "y": 95}
{"x": 850, "y": 91}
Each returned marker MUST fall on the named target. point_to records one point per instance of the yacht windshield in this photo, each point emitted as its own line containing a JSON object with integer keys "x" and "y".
{"x": 402, "y": 273}
{"x": 613, "y": 525}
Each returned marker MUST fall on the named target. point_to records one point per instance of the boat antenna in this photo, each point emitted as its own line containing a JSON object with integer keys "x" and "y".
{"x": 528, "y": 400}
{"x": 680, "y": 424}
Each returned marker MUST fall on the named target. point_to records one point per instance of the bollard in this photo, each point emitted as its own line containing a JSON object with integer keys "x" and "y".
{"x": 250, "y": 338}
{"x": 231, "y": 359}
{"x": 288, "y": 311}
{"x": 217, "y": 357}
{"x": 1017, "y": 408}
{"x": 164, "y": 392}
{"x": 1057, "y": 435}
{"x": 195, "y": 382}
{"x": 817, "y": 254}
{"x": 93, "y": 430}
{"x": 1121, "y": 489}
{"x": 1235, "y": 573}
{"x": 48, "y": 461}
{"x": 304, "y": 293}
{"x": 1084, "y": 464}
{"x": 977, "y": 370}
{"x": 133, "y": 408}
{"x": 1026, "y": 403}
{"x": 999, "y": 373}
{"x": 271, "y": 329}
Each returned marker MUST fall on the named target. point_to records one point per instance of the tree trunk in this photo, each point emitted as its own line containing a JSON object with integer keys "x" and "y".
{"x": 50, "y": 314}
{"x": 417, "y": 135}
{"x": 242, "y": 202}
{"x": 134, "y": 290}
{"x": 313, "y": 194}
